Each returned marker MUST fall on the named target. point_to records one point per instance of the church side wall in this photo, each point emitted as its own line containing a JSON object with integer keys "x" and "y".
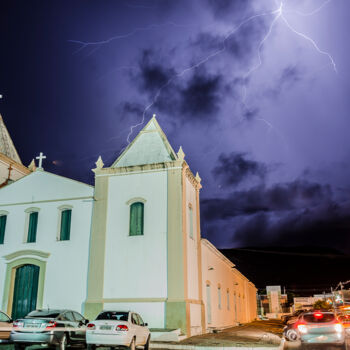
{"x": 228, "y": 296}
{"x": 136, "y": 266}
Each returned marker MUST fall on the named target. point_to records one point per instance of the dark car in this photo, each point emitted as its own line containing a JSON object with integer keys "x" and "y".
{"x": 51, "y": 327}
{"x": 292, "y": 317}
{"x": 321, "y": 327}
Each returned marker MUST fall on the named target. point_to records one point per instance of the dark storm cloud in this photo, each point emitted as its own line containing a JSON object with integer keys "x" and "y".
{"x": 236, "y": 167}
{"x": 197, "y": 97}
{"x": 298, "y": 194}
{"x": 201, "y": 96}
{"x": 153, "y": 74}
{"x": 228, "y": 9}
{"x": 325, "y": 225}
{"x": 240, "y": 45}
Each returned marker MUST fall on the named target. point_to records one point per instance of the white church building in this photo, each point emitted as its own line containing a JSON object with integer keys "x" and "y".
{"x": 132, "y": 241}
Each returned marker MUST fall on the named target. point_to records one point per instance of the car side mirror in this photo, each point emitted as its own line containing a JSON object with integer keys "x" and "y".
{"x": 86, "y": 322}
{"x": 145, "y": 324}
{"x": 10, "y": 320}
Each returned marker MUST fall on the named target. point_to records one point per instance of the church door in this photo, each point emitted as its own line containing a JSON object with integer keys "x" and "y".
{"x": 25, "y": 290}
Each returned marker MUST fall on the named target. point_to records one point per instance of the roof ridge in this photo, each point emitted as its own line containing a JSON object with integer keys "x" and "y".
{"x": 6, "y": 144}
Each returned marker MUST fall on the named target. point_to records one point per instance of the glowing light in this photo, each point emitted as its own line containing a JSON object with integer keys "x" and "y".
{"x": 97, "y": 44}
{"x": 279, "y": 14}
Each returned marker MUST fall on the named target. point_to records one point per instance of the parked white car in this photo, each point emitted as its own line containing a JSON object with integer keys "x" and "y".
{"x": 118, "y": 328}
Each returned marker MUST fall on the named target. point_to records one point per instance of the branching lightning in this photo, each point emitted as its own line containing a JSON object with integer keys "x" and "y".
{"x": 278, "y": 14}
{"x": 97, "y": 44}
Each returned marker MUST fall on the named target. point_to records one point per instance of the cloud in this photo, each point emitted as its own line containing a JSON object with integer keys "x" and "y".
{"x": 289, "y": 214}
{"x": 229, "y": 9}
{"x": 235, "y": 168}
{"x": 196, "y": 96}
{"x": 152, "y": 74}
{"x": 299, "y": 194}
{"x": 201, "y": 96}
{"x": 324, "y": 225}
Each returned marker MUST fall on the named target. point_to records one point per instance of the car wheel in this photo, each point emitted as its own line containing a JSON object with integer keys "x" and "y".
{"x": 147, "y": 343}
{"x": 62, "y": 345}
{"x": 91, "y": 347}
{"x": 292, "y": 335}
{"x": 132, "y": 344}
{"x": 19, "y": 346}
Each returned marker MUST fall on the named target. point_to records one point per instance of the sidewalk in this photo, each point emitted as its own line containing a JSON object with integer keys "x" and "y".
{"x": 257, "y": 334}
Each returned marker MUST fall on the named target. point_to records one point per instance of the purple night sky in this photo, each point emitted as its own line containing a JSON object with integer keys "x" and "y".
{"x": 256, "y": 93}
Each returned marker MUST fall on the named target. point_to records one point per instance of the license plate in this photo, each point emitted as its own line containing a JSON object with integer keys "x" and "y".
{"x": 105, "y": 328}
{"x": 32, "y": 325}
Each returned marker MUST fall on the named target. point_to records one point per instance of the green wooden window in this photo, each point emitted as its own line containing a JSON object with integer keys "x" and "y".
{"x": 66, "y": 216}
{"x": 191, "y": 222}
{"x": 3, "y": 219}
{"x": 136, "y": 219}
{"x": 33, "y": 224}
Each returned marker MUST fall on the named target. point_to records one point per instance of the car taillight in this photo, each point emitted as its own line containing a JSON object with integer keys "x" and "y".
{"x": 302, "y": 328}
{"x": 338, "y": 327}
{"x": 17, "y": 324}
{"x": 51, "y": 324}
{"x": 121, "y": 327}
{"x": 91, "y": 326}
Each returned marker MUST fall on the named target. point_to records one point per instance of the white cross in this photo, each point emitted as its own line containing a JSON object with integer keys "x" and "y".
{"x": 41, "y": 157}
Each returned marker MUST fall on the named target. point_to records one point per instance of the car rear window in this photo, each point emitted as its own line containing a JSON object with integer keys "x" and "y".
{"x": 43, "y": 314}
{"x": 319, "y": 317}
{"x": 113, "y": 315}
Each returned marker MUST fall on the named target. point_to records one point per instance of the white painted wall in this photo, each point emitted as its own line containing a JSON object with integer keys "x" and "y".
{"x": 151, "y": 313}
{"x": 66, "y": 269}
{"x": 136, "y": 266}
{"x": 218, "y": 271}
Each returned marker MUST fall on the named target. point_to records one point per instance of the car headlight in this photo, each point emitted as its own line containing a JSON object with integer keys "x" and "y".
{"x": 338, "y": 327}
{"x": 302, "y": 328}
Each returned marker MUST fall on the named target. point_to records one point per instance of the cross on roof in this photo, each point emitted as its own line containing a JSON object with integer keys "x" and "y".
{"x": 40, "y": 158}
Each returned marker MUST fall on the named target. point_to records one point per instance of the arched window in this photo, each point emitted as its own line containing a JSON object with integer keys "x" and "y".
{"x": 136, "y": 219}
{"x": 66, "y": 215}
{"x": 3, "y": 218}
{"x": 31, "y": 224}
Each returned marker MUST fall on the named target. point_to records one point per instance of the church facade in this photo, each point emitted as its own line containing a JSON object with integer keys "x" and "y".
{"x": 134, "y": 243}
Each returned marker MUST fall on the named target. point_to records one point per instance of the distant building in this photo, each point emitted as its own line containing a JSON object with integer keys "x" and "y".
{"x": 273, "y": 302}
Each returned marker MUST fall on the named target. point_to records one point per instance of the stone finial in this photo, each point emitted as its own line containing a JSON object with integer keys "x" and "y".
{"x": 198, "y": 178}
{"x": 99, "y": 163}
{"x": 181, "y": 154}
{"x": 32, "y": 166}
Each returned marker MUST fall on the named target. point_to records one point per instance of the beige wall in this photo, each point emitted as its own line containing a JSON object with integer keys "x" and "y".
{"x": 238, "y": 295}
{"x": 18, "y": 170}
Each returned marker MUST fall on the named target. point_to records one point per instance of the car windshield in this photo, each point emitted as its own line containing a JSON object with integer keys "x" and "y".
{"x": 113, "y": 315}
{"x": 319, "y": 317}
{"x": 43, "y": 314}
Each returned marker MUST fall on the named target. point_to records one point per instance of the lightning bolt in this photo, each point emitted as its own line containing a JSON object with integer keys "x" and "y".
{"x": 97, "y": 44}
{"x": 279, "y": 14}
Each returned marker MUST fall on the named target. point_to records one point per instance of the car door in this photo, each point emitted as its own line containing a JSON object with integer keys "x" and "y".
{"x": 81, "y": 325}
{"x": 143, "y": 329}
{"x": 71, "y": 325}
{"x": 5, "y": 326}
{"x": 138, "y": 331}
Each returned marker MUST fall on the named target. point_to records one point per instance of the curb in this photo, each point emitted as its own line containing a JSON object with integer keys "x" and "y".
{"x": 164, "y": 346}
{"x": 196, "y": 347}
